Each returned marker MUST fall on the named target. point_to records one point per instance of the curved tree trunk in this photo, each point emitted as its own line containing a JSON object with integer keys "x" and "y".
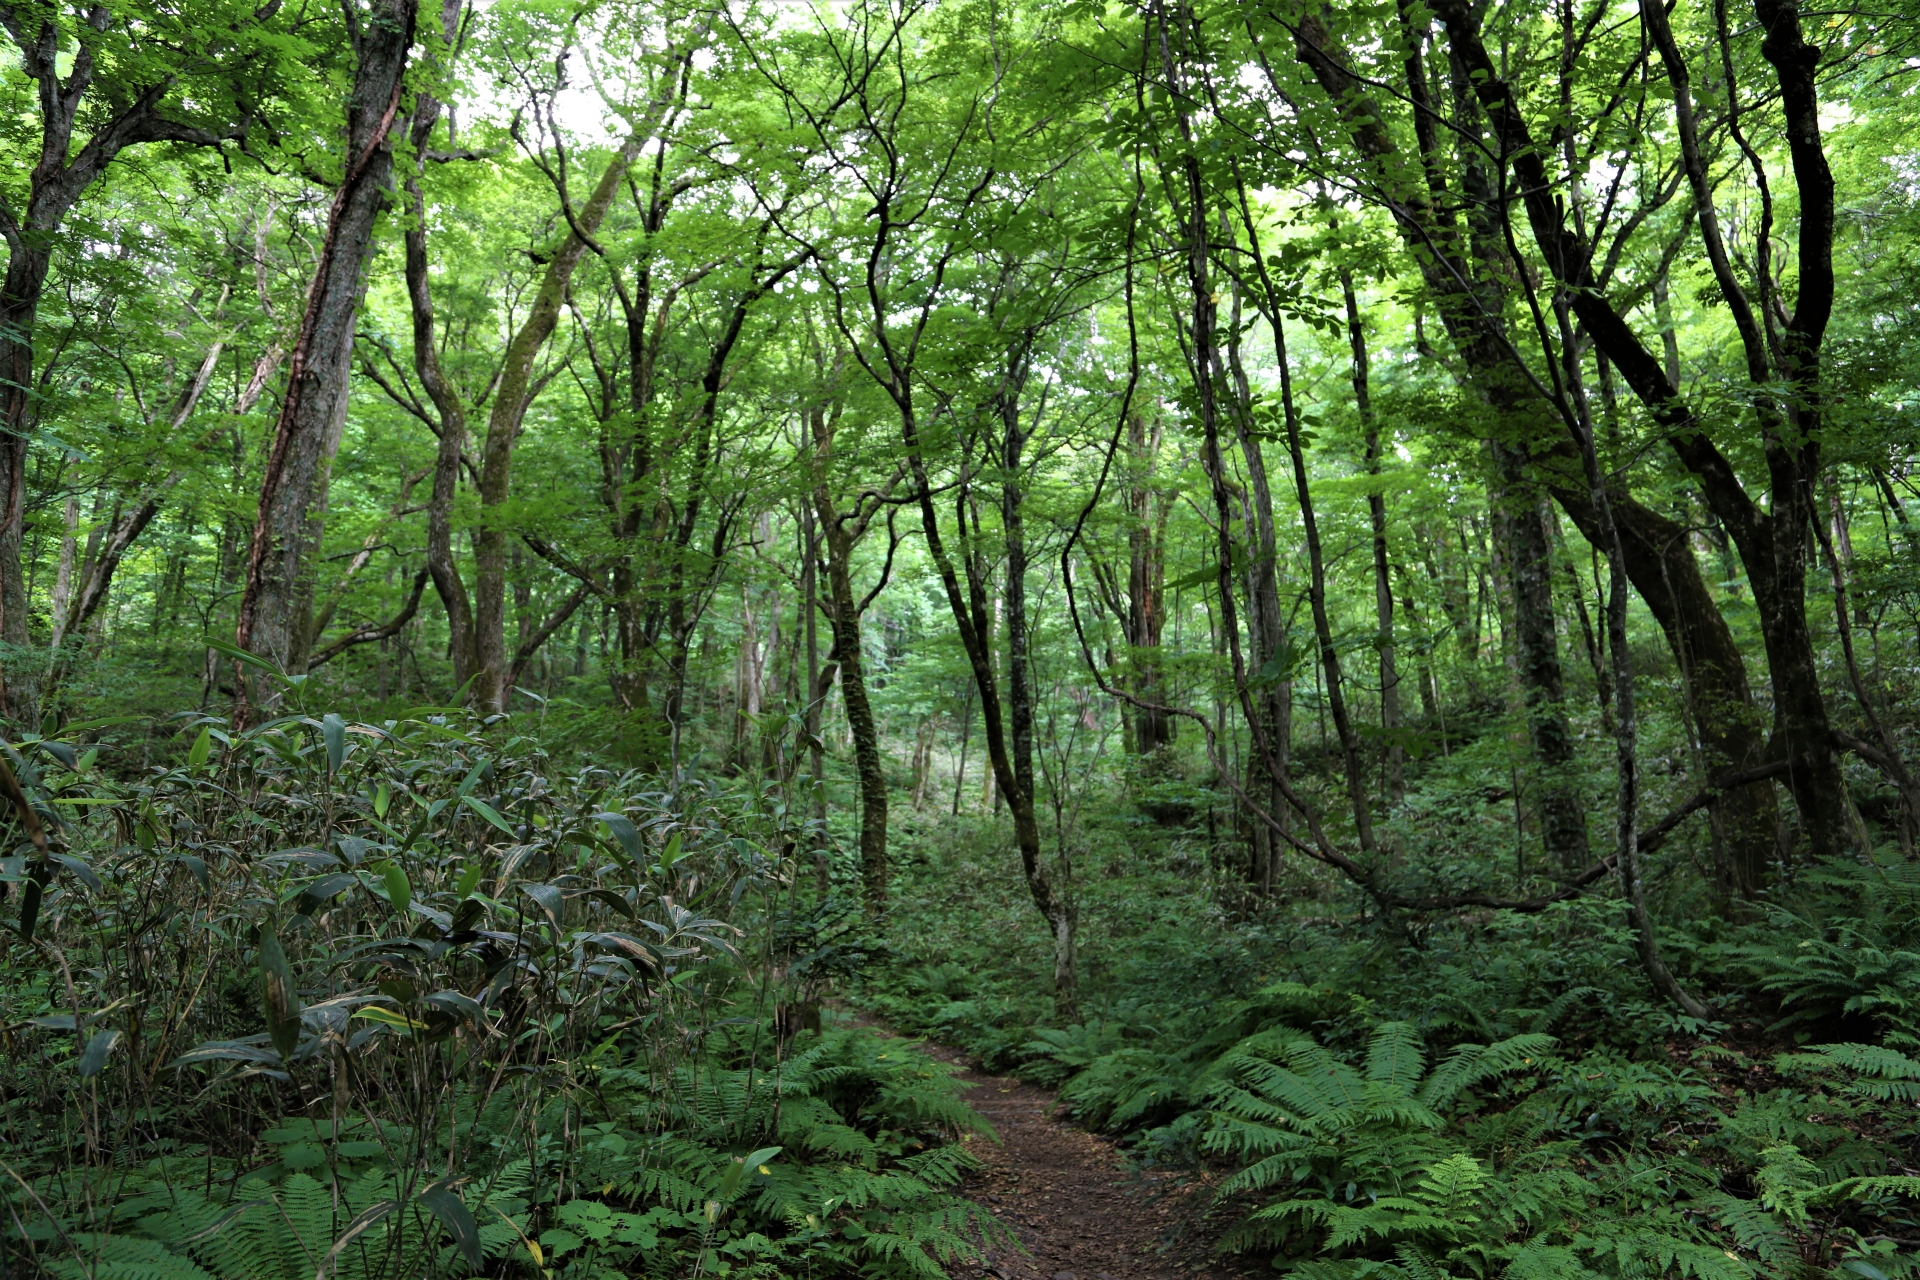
{"x": 1733, "y": 736}
{"x": 1773, "y": 539}
{"x": 512, "y": 396}
{"x": 441, "y": 565}
{"x": 59, "y": 57}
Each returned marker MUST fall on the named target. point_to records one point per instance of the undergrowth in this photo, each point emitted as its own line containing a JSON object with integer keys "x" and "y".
{"x": 408, "y": 999}
{"x": 1478, "y": 1095}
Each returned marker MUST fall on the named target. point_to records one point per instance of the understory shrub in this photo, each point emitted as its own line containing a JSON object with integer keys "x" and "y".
{"x": 328, "y": 998}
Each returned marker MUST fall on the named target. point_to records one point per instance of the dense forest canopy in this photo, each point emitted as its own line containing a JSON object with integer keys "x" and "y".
{"x": 1175, "y": 546}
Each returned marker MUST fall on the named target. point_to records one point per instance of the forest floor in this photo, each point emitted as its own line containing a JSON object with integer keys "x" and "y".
{"x": 1080, "y": 1209}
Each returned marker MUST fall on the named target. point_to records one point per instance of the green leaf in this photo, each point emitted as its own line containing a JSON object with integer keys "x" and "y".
{"x": 322, "y": 891}
{"x": 548, "y": 897}
{"x": 278, "y": 995}
{"x": 94, "y": 1060}
{"x": 1199, "y": 577}
{"x": 202, "y": 747}
{"x": 369, "y": 1218}
{"x": 670, "y": 855}
{"x": 251, "y": 659}
{"x": 486, "y": 811}
{"x": 472, "y": 779}
{"x": 79, "y": 869}
{"x": 445, "y": 1204}
{"x": 625, "y": 832}
{"x": 613, "y": 900}
{"x": 399, "y": 891}
{"x": 730, "y": 1183}
{"x": 420, "y": 824}
{"x": 333, "y": 731}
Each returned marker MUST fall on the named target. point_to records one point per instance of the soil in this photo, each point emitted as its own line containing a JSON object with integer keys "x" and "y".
{"x": 1080, "y": 1211}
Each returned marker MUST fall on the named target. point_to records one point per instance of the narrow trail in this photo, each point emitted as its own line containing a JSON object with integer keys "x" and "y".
{"x": 1070, "y": 1198}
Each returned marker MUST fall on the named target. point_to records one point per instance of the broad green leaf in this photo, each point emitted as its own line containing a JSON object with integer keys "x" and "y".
{"x": 278, "y": 995}
{"x": 399, "y": 890}
{"x": 625, "y": 832}
{"x": 445, "y": 1204}
{"x": 99, "y": 1046}
{"x": 487, "y": 811}
{"x": 333, "y": 731}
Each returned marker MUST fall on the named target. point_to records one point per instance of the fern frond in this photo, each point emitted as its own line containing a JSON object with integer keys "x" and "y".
{"x": 123, "y": 1257}
{"x": 1396, "y": 1057}
{"x": 1471, "y": 1064}
{"x": 1881, "y": 1074}
{"x": 1753, "y": 1227}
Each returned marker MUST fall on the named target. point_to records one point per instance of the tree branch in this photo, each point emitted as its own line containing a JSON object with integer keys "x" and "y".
{"x": 365, "y": 635}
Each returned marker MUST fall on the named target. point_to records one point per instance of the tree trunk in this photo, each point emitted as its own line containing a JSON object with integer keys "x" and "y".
{"x": 1662, "y": 567}
{"x": 274, "y": 604}
{"x": 1266, "y": 621}
{"x": 26, "y": 277}
{"x": 1065, "y": 916}
{"x": 59, "y": 57}
{"x": 816, "y": 695}
{"x": 1536, "y": 649}
{"x": 1772, "y": 541}
{"x": 971, "y": 616}
{"x": 447, "y": 401}
{"x": 512, "y": 396}
{"x": 839, "y": 534}
{"x": 1394, "y": 751}
{"x": 1152, "y": 728}
{"x": 1666, "y": 575}
{"x": 1263, "y": 614}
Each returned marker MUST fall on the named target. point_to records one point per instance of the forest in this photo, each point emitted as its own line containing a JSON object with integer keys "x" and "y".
{"x": 605, "y": 602}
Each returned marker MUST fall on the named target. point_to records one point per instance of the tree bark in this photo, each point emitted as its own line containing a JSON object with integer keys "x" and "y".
{"x": 447, "y": 401}
{"x": 1536, "y": 648}
{"x": 1393, "y": 750}
{"x": 1263, "y": 615}
{"x": 840, "y": 533}
{"x": 1659, "y": 559}
{"x": 1266, "y": 621}
{"x": 1772, "y": 541}
{"x": 1146, "y": 588}
{"x": 1065, "y": 919}
{"x": 513, "y": 395}
{"x": 275, "y": 602}
{"x": 1664, "y": 571}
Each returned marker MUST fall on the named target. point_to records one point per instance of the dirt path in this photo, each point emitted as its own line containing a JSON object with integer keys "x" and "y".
{"x": 1068, "y": 1195}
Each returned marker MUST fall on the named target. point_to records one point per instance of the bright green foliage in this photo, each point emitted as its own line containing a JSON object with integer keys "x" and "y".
{"x": 1247, "y": 670}
{"x": 1365, "y": 1132}
{"x": 281, "y": 1229}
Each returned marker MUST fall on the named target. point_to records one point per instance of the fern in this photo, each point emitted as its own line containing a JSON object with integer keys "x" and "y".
{"x": 1879, "y": 1073}
{"x": 1752, "y": 1227}
{"x": 122, "y": 1257}
{"x": 1396, "y": 1057}
{"x": 278, "y": 1232}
